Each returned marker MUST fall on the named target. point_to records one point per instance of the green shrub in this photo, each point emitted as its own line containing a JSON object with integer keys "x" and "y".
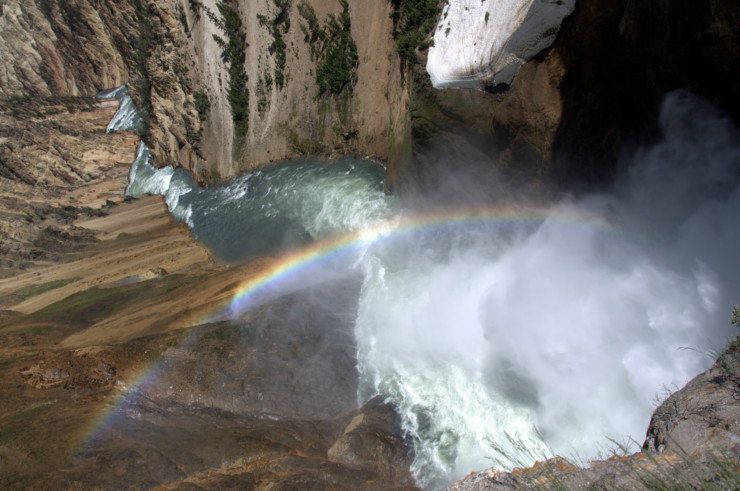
{"x": 278, "y": 25}
{"x": 263, "y": 90}
{"x": 195, "y": 7}
{"x": 413, "y": 21}
{"x": 338, "y": 60}
{"x": 194, "y": 139}
{"x": 202, "y": 104}
{"x": 38, "y": 289}
{"x": 143, "y": 44}
{"x": 311, "y": 32}
{"x": 183, "y": 18}
{"x": 233, "y": 52}
{"x": 305, "y": 146}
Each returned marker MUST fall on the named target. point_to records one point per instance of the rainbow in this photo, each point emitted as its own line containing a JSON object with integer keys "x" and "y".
{"x": 297, "y": 266}
{"x": 293, "y": 270}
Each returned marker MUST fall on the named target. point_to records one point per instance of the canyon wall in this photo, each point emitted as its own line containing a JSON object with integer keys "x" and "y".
{"x": 288, "y": 117}
{"x": 479, "y": 45}
{"x": 168, "y": 53}
{"x": 64, "y": 48}
{"x": 574, "y": 111}
{"x": 80, "y": 47}
{"x": 564, "y": 119}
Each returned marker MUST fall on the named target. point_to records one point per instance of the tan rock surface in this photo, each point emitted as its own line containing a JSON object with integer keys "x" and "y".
{"x": 56, "y": 164}
{"x": 74, "y": 47}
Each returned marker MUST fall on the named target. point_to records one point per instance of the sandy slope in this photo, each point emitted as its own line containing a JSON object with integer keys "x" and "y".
{"x": 138, "y": 239}
{"x": 64, "y": 218}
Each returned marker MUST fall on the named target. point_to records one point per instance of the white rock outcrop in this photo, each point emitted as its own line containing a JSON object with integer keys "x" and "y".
{"x": 480, "y": 43}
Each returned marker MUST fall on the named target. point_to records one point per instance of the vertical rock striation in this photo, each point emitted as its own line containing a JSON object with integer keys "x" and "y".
{"x": 165, "y": 51}
{"x": 64, "y": 48}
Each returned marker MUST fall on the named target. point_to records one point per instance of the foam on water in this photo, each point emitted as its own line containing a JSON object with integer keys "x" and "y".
{"x": 506, "y": 349}
{"x": 128, "y": 117}
{"x": 284, "y": 206}
{"x": 144, "y": 178}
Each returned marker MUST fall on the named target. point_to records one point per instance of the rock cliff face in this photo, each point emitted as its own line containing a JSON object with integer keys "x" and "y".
{"x": 64, "y": 48}
{"x": 290, "y": 118}
{"x": 564, "y": 117}
{"x": 81, "y": 47}
{"x": 177, "y": 72}
{"x": 576, "y": 108}
{"x": 620, "y": 58}
{"x": 56, "y": 164}
{"x": 567, "y": 113}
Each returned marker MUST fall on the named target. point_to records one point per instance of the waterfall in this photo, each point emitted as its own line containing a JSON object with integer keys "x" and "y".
{"x": 507, "y": 335}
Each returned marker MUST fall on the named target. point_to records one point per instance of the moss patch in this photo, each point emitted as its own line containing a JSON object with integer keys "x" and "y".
{"x": 83, "y": 309}
{"x": 33, "y": 290}
{"x": 304, "y": 146}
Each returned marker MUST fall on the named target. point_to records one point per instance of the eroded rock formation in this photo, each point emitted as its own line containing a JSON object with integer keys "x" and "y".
{"x": 577, "y": 109}
{"x": 64, "y": 48}
{"x": 265, "y": 401}
{"x": 177, "y": 72}
{"x": 56, "y": 164}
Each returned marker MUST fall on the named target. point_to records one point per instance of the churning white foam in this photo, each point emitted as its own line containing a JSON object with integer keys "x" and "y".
{"x": 556, "y": 341}
{"x": 127, "y": 117}
{"x": 144, "y": 178}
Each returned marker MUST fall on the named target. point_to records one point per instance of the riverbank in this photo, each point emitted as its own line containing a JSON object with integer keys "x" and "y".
{"x": 108, "y": 359}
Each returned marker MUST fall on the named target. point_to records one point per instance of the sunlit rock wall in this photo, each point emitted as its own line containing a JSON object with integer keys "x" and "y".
{"x": 483, "y": 43}
{"x": 46, "y": 50}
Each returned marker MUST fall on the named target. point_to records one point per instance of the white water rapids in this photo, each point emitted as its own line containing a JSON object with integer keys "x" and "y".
{"x": 501, "y": 345}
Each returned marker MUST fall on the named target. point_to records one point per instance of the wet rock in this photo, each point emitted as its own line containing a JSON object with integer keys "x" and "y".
{"x": 706, "y": 411}
{"x": 372, "y": 440}
{"x": 267, "y": 401}
{"x": 274, "y": 361}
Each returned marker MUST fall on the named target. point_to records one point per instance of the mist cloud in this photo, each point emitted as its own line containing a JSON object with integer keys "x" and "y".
{"x": 570, "y": 329}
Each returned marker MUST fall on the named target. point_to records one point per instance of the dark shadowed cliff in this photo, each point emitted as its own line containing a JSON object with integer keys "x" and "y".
{"x": 572, "y": 113}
